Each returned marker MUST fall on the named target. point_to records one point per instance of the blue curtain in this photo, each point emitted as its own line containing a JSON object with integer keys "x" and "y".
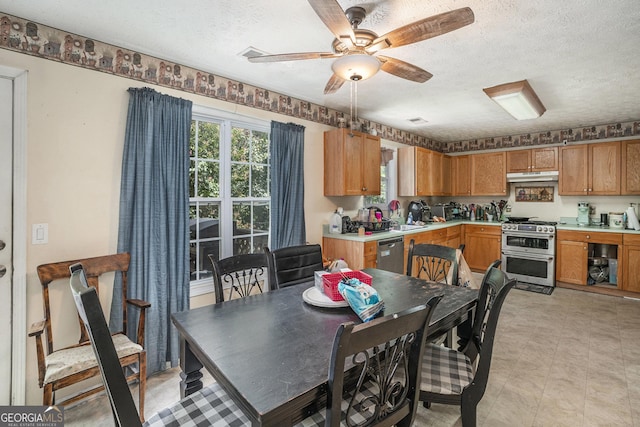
{"x": 154, "y": 219}
{"x": 287, "y": 185}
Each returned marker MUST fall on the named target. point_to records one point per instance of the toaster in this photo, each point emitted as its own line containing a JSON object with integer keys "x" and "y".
{"x": 443, "y": 211}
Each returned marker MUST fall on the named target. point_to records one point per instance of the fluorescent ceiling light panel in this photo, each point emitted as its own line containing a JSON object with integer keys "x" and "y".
{"x": 517, "y": 99}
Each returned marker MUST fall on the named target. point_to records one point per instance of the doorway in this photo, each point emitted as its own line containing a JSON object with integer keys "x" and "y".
{"x": 13, "y": 235}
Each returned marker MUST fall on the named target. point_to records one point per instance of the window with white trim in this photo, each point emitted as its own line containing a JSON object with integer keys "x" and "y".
{"x": 229, "y": 194}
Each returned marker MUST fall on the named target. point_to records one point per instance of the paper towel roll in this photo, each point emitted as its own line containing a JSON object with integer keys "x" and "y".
{"x": 632, "y": 218}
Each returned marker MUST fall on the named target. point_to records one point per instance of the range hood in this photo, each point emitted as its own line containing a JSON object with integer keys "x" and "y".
{"x": 532, "y": 176}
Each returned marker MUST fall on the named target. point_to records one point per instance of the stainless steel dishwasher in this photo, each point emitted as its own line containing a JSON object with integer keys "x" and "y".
{"x": 390, "y": 256}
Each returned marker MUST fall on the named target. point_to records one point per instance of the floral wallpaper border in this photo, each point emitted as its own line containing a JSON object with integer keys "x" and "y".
{"x": 28, "y": 37}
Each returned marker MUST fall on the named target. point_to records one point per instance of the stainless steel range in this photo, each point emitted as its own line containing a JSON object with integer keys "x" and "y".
{"x": 529, "y": 251}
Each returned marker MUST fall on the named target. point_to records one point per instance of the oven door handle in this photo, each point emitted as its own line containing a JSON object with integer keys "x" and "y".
{"x": 527, "y": 255}
{"x": 527, "y": 235}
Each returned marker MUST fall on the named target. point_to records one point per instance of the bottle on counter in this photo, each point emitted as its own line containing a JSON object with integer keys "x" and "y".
{"x": 410, "y": 218}
{"x": 335, "y": 223}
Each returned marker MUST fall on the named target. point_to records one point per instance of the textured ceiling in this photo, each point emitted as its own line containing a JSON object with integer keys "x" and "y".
{"x": 581, "y": 57}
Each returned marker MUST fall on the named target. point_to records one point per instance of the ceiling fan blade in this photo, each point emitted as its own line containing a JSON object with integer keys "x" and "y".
{"x": 334, "y": 83}
{"x": 335, "y": 19}
{"x": 293, "y": 56}
{"x": 403, "y": 69}
{"x": 425, "y": 29}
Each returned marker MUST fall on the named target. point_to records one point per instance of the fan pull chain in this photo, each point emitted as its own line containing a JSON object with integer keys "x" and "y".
{"x": 353, "y": 101}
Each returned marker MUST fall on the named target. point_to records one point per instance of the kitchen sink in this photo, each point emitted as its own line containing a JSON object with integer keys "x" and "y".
{"x": 407, "y": 227}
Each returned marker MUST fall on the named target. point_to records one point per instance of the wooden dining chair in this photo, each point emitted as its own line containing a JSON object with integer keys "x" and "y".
{"x": 242, "y": 275}
{"x": 210, "y": 406}
{"x": 460, "y": 377}
{"x": 432, "y": 262}
{"x": 386, "y": 355}
{"x": 294, "y": 264}
{"x": 60, "y": 366}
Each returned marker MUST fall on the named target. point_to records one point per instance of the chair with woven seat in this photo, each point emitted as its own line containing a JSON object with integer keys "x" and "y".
{"x": 294, "y": 264}
{"x": 243, "y": 274}
{"x": 62, "y": 366}
{"x": 460, "y": 377}
{"x": 210, "y": 406}
{"x": 386, "y": 356}
{"x": 433, "y": 262}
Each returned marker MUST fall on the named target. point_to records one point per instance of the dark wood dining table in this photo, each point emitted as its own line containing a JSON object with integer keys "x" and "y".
{"x": 271, "y": 351}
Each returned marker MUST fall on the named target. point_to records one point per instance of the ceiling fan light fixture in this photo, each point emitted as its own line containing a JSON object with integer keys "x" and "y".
{"x": 356, "y": 67}
{"x": 517, "y": 99}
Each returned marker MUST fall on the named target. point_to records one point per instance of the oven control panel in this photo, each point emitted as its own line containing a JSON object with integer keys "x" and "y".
{"x": 531, "y": 228}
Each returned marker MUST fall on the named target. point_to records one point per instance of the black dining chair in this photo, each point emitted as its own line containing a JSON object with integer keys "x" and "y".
{"x": 242, "y": 275}
{"x": 432, "y": 262}
{"x": 455, "y": 377}
{"x": 464, "y": 328}
{"x": 294, "y": 264}
{"x": 210, "y": 406}
{"x": 386, "y": 356}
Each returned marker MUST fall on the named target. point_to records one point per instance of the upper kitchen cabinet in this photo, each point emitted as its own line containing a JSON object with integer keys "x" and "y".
{"x": 488, "y": 174}
{"x": 630, "y": 167}
{"x": 423, "y": 172}
{"x": 534, "y": 160}
{"x": 590, "y": 169}
{"x": 461, "y": 175}
{"x": 351, "y": 163}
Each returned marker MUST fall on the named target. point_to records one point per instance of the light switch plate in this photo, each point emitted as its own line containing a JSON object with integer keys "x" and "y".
{"x": 39, "y": 234}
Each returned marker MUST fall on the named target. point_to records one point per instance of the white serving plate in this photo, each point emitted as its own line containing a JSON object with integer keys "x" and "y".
{"x": 314, "y": 297}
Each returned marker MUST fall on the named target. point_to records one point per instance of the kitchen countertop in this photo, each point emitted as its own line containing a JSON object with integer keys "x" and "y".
{"x": 594, "y": 228}
{"x": 396, "y": 233}
{"x": 439, "y": 225}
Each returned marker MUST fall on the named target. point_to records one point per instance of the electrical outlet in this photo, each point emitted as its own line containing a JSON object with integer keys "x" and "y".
{"x": 592, "y": 210}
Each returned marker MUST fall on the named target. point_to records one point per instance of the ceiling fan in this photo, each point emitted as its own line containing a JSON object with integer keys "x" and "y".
{"x": 357, "y": 49}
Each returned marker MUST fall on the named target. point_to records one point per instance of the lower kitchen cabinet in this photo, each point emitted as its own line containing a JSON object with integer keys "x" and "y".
{"x": 483, "y": 244}
{"x": 630, "y": 263}
{"x": 358, "y": 255}
{"x": 573, "y": 251}
{"x": 571, "y": 261}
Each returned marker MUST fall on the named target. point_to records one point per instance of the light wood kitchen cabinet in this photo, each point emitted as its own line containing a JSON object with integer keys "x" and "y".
{"x": 533, "y": 160}
{"x": 489, "y": 174}
{"x": 461, "y": 175}
{"x": 420, "y": 172}
{"x": 630, "y": 176}
{"x": 630, "y": 267}
{"x": 572, "y": 254}
{"x": 590, "y": 169}
{"x": 351, "y": 163}
{"x": 358, "y": 255}
{"x": 446, "y": 170}
{"x": 571, "y": 260}
{"x": 483, "y": 244}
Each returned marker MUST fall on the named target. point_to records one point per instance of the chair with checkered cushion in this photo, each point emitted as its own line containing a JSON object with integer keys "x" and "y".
{"x": 460, "y": 377}
{"x": 209, "y": 407}
{"x": 374, "y": 371}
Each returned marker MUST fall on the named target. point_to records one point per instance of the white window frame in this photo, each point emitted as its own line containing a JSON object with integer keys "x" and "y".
{"x": 392, "y": 182}
{"x": 227, "y": 121}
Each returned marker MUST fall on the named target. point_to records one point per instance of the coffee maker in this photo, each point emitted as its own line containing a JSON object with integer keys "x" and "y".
{"x": 419, "y": 210}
